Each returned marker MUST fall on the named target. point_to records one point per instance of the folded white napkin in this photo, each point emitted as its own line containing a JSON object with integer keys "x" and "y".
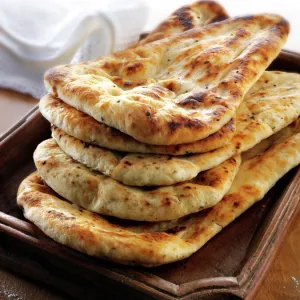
{"x": 36, "y": 35}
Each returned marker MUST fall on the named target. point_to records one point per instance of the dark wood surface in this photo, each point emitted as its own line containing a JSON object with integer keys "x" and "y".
{"x": 13, "y": 107}
{"x": 283, "y": 278}
{"x": 234, "y": 253}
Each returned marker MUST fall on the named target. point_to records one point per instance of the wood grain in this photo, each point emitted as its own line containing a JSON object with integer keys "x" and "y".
{"x": 283, "y": 278}
{"x": 14, "y": 287}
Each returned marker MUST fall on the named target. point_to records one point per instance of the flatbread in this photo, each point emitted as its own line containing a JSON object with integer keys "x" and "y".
{"x": 102, "y": 194}
{"x": 176, "y": 90}
{"x": 190, "y": 16}
{"x": 276, "y": 138}
{"x": 270, "y": 105}
{"x": 277, "y": 86}
{"x": 154, "y": 244}
{"x": 140, "y": 169}
{"x": 87, "y": 129}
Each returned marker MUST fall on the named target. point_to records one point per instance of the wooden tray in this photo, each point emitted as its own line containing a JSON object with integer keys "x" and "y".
{"x": 231, "y": 264}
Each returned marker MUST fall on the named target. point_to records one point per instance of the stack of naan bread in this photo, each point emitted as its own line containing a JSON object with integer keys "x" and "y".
{"x": 180, "y": 134}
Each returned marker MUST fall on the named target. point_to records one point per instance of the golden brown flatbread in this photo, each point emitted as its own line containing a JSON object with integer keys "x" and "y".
{"x": 138, "y": 169}
{"x": 197, "y": 14}
{"x": 270, "y": 105}
{"x": 102, "y": 194}
{"x": 152, "y": 244}
{"x": 177, "y": 90}
{"x": 87, "y": 129}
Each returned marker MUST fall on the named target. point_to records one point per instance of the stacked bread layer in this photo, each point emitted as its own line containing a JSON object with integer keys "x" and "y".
{"x": 156, "y": 133}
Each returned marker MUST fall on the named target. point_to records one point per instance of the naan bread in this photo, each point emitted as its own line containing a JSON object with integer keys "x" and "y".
{"x": 176, "y": 90}
{"x": 270, "y": 105}
{"x": 140, "y": 169}
{"x": 190, "y": 16}
{"x": 276, "y": 138}
{"x": 154, "y": 244}
{"x": 102, "y": 194}
{"x": 87, "y": 129}
{"x": 278, "y": 84}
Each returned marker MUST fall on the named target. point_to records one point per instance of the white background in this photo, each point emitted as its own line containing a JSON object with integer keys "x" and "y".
{"x": 290, "y": 9}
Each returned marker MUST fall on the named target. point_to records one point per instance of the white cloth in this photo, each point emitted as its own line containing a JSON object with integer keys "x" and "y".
{"x": 36, "y": 35}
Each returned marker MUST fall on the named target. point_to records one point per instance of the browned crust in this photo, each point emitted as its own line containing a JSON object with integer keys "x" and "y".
{"x": 77, "y": 124}
{"x": 187, "y": 17}
{"x": 151, "y": 244}
{"x": 87, "y": 232}
{"x": 141, "y": 120}
{"x": 82, "y": 186}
